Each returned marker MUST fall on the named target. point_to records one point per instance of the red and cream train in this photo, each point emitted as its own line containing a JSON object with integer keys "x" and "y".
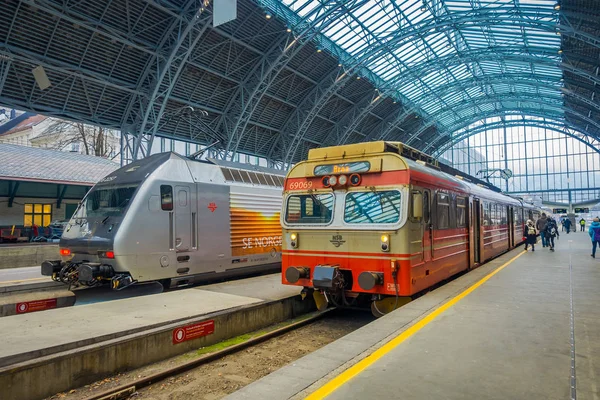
{"x": 380, "y": 222}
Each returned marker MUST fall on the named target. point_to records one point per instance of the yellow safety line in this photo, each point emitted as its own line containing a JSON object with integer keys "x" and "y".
{"x": 357, "y": 368}
{"x": 23, "y": 280}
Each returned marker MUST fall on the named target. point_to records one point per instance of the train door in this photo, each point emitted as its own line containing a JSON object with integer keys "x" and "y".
{"x": 183, "y": 219}
{"x": 427, "y": 227}
{"x": 511, "y": 226}
{"x": 476, "y": 223}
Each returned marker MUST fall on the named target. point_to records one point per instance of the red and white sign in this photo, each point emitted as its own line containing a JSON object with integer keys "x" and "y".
{"x": 37, "y": 305}
{"x": 212, "y": 207}
{"x": 193, "y": 331}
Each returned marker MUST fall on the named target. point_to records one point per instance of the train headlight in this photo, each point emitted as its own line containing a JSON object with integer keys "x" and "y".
{"x": 385, "y": 243}
{"x": 326, "y": 181}
{"x": 355, "y": 179}
{"x": 333, "y": 180}
{"x": 294, "y": 240}
{"x": 342, "y": 180}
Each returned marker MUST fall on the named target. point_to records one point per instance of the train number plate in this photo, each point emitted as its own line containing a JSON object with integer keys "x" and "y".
{"x": 193, "y": 331}
{"x": 37, "y": 305}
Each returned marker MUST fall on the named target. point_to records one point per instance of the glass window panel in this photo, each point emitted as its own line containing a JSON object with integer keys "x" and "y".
{"x": 309, "y": 209}
{"x": 27, "y": 220}
{"x": 372, "y": 207}
{"x": 47, "y": 220}
{"x": 28, "y": 208}
{"x": 37, "y": 208}
{"x": 37, "y": 220}
{"x": 47, "y": 208}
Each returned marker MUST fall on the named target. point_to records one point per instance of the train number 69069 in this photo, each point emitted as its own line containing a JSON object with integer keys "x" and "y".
{"x": 300, "y": 185}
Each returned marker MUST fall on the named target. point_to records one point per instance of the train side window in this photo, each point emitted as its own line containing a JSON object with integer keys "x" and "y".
{"x": 452, "y": 213}
{"x": 461, "y": 212}
{"x": 443, "y": 210}
{"x": 166, "y": 197}
{"x": 426, "y": 212}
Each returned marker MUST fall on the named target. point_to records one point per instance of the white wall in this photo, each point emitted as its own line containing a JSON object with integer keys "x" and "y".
{"x": 14, "y": 215}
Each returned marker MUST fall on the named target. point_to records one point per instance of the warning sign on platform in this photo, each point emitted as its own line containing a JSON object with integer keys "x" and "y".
{"x": 193, "y": 331}
{"x": 37, "y": 305}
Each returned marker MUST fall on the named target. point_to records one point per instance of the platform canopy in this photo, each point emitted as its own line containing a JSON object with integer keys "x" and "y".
{"x": 290, "y": 75}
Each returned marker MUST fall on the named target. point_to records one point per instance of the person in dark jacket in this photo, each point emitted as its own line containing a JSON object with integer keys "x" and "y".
{"x": 530, "y": 235}
{"x": 567, "y": 225}
{"x": 551, "y": 232}
{"x": 540, "y": 225}
{"x": 595, "y": 235}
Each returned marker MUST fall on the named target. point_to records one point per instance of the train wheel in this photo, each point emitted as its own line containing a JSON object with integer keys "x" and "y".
{"x": 381, "y": 307}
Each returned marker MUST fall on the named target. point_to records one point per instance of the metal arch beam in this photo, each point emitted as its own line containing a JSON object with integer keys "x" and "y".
{"x": 501, "y": 113}
{"x": 537, "y": 99}
{"x": 499, "y": 54}
{"x": 555, "y": 126}
{"x": 181, "y": 43}
{"x": 352, "y": 118}
{"x": 521, "y": 16}
{"x": 516, "y": 79}
{"x": 302, "y": 117}
{"x": 249, "y": 94}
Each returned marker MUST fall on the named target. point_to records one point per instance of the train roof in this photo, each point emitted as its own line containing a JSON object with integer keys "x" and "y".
{"x": 415, "y": 160}
{"x": 211, "y": 170}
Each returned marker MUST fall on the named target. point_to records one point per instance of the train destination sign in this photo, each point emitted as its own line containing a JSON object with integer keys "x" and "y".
{"x": 559, "y": 210}
{"x": 345, "y": 168}
{"x": 582, "y": 210}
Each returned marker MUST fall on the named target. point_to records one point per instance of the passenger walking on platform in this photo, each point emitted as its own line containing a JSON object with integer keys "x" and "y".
{"x": 562, "y": 224}
{"x": 531, "y": 235}
{"x": 541, "y": 227}
{"x": 582, "y": 224}
{"x": 595, "y": 235}
{"x": 567, "y": 225}
{"x": 550, "y": 232}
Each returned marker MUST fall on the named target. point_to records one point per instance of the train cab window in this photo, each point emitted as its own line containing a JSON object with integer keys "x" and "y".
{"x": 309, "y": 209}
{"x": 373, "y": 207}
{"x": 443, "y": 211}
{"x": 166, "y": 197}
{"x": 461, "y": 212}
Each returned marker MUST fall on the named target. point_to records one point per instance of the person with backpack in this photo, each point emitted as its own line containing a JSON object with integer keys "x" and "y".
{"x": 531, "y": 235}
{"x": 595, "y": 235}
{"x": 551, "y": 232}
{"x": 582, "y": 224}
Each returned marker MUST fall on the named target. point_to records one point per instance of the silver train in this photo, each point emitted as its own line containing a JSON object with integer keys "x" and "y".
{"x": 175, "y": 220}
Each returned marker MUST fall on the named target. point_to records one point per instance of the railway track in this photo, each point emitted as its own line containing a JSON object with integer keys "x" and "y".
{"x": 308, "y": 333}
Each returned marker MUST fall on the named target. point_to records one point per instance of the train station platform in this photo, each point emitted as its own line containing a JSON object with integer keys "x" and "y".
{"x": 47, "y": 352}
{"x": 524, "y": 326}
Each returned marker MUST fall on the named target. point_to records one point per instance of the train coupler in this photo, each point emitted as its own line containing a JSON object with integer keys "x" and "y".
{"x": 120, "y": 282}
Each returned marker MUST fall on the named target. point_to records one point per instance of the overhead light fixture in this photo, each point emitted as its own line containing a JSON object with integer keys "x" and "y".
{"x": 319, "y": 50}
{"x": 558, "y": 33}
{"x": 358, "y": 78}
{"x": 557, "y": 7}
{"x": 339, "y": 65}
{"x": 288, "y": 30}
{"x": 559, "y": 51}
{"x": 268, "y": 16}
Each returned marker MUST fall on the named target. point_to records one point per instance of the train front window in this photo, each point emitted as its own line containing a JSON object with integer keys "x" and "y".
{"x": 309, "y": 209}
{"x": 105, "y": 201}
{"x": 373, "y": 207}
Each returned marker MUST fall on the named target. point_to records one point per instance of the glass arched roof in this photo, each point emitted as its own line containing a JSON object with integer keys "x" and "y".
{"x": 452, "y": 61}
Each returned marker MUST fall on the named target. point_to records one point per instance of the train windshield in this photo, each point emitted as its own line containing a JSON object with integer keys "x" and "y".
{"x": 106, "y": 201}
{"x": 373, "y": 207}
{"x": 309, "y": 209}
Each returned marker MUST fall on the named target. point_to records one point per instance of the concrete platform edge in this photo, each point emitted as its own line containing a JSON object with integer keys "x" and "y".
{"x": 74, "y": 367}
{"x": 300, "y": 378}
